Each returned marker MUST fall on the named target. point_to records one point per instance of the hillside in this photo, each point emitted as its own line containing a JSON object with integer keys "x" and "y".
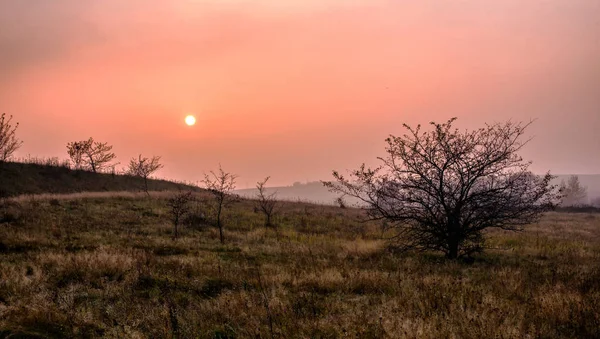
{"x": 22, "y": 178}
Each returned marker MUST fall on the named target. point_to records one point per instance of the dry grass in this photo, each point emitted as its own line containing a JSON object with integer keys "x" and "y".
{"x": 92, "y": 266}
{"x": 95, "y": 195}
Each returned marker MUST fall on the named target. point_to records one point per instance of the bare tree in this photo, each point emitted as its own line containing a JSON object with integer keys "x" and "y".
{"x": 144, "y": 167}
{"x": 573, "y": 194}
{"x": 596, "y": 202}
{"x": 438, "y": 190}
{"x": 9, "y": 142}
{"x": 220, "y": 184}
{"x": 179, "y": 205}
{"x": 90, "y": 154}
{"x": 266, "y": 203}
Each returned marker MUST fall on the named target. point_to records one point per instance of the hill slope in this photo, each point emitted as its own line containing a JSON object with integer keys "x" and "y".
{"x": 20, "y": 178}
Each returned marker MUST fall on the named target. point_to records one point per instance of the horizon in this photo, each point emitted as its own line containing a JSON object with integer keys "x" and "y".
{"x": 278, "y": 90}
{"x": 247, "y": 186}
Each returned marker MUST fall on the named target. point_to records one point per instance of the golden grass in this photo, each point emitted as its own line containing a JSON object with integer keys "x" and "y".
{"x": 105, "y": 265}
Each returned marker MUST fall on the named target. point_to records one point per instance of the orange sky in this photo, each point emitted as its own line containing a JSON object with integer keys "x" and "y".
{"x": 294, "y": 89}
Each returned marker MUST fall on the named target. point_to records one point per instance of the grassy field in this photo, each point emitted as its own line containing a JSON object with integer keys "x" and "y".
{"x": 109, "y": 267}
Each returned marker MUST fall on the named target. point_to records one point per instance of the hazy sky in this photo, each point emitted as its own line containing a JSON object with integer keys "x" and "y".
{"x": 294, "y": 89}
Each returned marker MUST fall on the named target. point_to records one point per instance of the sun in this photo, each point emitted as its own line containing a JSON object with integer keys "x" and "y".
{"x": 190, "y": 120}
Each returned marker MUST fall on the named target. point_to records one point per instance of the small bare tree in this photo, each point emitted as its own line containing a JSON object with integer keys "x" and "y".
{"x": 266, "y": 203}
{"x": 179, "y": 205}
{"x": 573, "y": 194}
{"x": 220, "y": 184}
{"x": 596, "y": 202}
{"x": 9, "y": 142}
{"x": 438, "y": 190}
{"x": 144, "y": 167}
{"x": 90, "y": 154}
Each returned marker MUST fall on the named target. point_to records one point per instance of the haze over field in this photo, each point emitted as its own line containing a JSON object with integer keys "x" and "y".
{"x": 294, "y": 89}
{"x": 316, "y": 192}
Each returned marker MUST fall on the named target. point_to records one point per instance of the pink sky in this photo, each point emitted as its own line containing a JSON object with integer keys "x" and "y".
{"x": 294, "y": 89}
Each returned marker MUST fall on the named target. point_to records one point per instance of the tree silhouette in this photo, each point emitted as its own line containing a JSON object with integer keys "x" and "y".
{"x": 220, "y": 184}
{"x": 573, "y": 194}
{"x": 90, "y": 154}
{"x": 266, "y": 203}
{"x": 144, "y": 167}
{"x": 438, "y": 190}
{"x": 179, "y": 205}
{"x": 9, "y": 142}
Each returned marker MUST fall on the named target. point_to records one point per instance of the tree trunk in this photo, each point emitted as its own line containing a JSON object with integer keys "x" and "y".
{"x": 92, "y": 163}
{"x": 453, "y": 245}
{"x": 219, "y": 223}
{"x": 146, "y": 185}
{"x": 453, "y": 237}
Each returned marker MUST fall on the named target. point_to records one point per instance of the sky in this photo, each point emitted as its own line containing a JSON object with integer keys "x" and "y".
{"x": 295, "y": 89}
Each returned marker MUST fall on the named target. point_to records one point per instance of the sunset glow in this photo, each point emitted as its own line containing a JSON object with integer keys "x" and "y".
{"x": 295, "y": 89}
